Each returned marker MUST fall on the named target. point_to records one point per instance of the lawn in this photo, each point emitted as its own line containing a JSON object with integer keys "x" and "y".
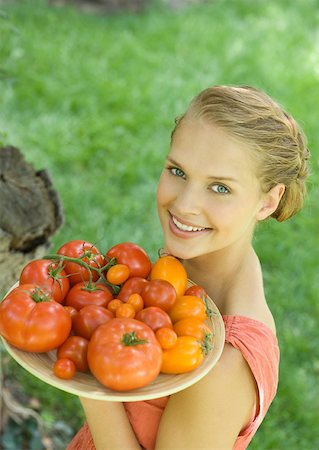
{"x": 93, "y": 98}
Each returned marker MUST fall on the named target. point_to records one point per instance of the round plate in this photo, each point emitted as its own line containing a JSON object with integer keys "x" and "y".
{"x": 86, "y": 385}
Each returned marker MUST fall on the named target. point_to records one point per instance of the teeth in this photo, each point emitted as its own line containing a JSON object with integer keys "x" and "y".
{"x": 183, "y": 227}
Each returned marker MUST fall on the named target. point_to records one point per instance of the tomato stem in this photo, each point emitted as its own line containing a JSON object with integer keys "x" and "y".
{"x": 206, "y": 343}
{"x": 130, "y": 339}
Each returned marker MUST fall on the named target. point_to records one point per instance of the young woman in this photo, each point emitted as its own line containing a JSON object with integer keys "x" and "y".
{"x": 236, "y": 159}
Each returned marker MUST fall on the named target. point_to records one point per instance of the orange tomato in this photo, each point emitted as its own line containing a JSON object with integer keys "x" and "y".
{"x": 118, "y": 274}
{"x": 188, "y": 306}
{"x": 114, "y": 304}
{"x": 172, "y": 270}
{"x": 136, "y": 301}
{"x": 185, "y": 356}
{"x": 166, "y": 337}
{"x": 125, "y": 310}
{"x": 192, "y": 326}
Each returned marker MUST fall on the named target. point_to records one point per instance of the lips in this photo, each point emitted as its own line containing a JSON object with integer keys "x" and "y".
{"x": 185, "y": 229}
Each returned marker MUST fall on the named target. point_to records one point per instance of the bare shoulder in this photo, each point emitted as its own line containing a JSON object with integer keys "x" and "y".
{"x": 218, "y": 407}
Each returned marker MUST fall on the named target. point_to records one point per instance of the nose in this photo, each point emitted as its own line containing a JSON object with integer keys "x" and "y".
{"x": 188, "y": 201}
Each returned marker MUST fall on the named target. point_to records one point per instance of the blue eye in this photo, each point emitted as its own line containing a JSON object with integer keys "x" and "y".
{"x": 177, "y": 172}
{"x": 220, "y": 189}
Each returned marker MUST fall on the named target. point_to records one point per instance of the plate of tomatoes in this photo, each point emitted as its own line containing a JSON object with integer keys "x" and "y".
{"x": 121, "y": 329}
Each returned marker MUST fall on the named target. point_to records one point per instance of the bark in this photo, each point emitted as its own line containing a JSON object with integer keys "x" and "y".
{"x": 30, "y": 213}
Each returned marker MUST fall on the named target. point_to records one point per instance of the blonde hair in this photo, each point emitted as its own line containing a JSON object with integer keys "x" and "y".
{"x": 278, "y": 143}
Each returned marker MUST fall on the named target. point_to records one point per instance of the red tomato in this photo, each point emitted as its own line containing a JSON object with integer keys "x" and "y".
{"x": 131, "y": 286}
{"x": 159, "y": 293}
{"x": 47, "y": 275}
{"x": 32, "y": 321}
{"x": 185, "y": 356}
{"x": 72, "y": 311}
{"x": 75, "y": 348}
{"x": 124, "y": 354}
{"x": 88, "y": 253}
{"x": 170, "y": 269}
{"x": 64, "y": 368}
{"x": 155, "y": 318}
{"x": 89, "y": 318}
{"x": 188, "y": 306}
{"x": 81, "y": 295}
{"x": 132, "y": 255}
{"x": 118, "y": 274}
{"x": 198, "y": 291}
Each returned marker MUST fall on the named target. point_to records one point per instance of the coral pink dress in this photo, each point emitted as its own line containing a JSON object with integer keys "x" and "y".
{"x": 259, "y": 347}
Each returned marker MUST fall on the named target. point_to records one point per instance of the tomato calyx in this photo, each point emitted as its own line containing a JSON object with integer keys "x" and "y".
{"x": 206, "y": 344}
{"x": 209, "y": 312}
{"x": 130, "y": 339}
{"x": 39, "y": 295}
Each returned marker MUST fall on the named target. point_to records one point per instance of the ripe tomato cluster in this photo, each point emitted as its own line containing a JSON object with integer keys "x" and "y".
{"x": 116, "y": 314}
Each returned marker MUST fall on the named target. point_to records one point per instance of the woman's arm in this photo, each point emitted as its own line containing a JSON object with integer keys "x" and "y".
{"x": 109, "y": 425}
{"x": 211, "y": 413}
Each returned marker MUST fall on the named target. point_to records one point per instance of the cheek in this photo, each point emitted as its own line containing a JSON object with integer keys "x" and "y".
{"x": 163, "y": 191}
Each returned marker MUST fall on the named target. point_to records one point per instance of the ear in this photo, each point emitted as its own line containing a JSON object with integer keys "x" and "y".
{"x": 271, "y": 201}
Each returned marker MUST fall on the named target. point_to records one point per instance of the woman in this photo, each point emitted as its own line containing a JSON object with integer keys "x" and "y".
{"x": 236, "y": 159}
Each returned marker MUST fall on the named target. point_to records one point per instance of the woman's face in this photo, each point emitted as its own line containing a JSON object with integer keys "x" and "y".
{"x": 208, "y": 195}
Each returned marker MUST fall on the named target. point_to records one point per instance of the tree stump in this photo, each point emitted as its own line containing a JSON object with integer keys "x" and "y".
{"x": 30, "y": 213}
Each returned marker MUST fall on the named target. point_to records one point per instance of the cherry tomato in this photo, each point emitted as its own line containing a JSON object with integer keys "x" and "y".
{"x": 185, "y": 356}
{"x": 131, "y": 286}
{"x": 191, "y": 326}
{"x": 89, "y": 318}
{"x": 172, "y": 270}
{"x": 166, "y": 337}
{"x": 134, "y": 256}
{"x": 188, "y": 306}
{"x": 154, "y": 317}
{"x": 47, "y": 275}
{"x": 125, "y": 310}
{"x": 81, "y": 295}
{"x": 159, "y": 293}
{"x": 118, "y": 274}
{"x": 88, "y": 253}
{"x": 75, "y": 348}
{"x": 124, "y": 354}
{"x": 198, "y": 291}
{"x": 136, "y": 301}
{"x": 114, "y": 304}
{"x": 64, "y": 368}
{"x": 32, "y": 321}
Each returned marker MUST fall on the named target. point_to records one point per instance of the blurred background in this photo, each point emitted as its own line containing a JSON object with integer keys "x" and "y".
{"x": 89, "y": 90}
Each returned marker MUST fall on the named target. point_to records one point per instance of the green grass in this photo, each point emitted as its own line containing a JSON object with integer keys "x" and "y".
{"x": 92, "y": 98}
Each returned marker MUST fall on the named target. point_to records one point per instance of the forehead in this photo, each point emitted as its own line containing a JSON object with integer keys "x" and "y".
{"x": 210, "y": 150}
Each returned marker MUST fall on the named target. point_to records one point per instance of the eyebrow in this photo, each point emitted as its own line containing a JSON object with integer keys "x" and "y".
{"x": 212, "y": 177}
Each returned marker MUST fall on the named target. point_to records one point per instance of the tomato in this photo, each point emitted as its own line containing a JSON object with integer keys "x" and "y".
{"x": 64, "y": 368}
{"x": 166, "y": 337}
{"x": 154, "y": 317}
{"x": 75, "y": 348}
{"x": 136, "y": 301}
{"x": 185, "y": 356}
{"x": 172, "y": 270}
{"x": 188, "y": 306}
{"x": 125, "y": 310}
{"x": 124, "y": 354}
{"x": 81, "y": 295}
{"x": 159, "y": 293}
{"x": 134, "y": 256}
{"x": 89, "y": 318}
{"x": 32, "y": 321}
{"x": 72, "y": 311}
{"x": 88, "y": 253}
{"x": 191, "y": 326}
{"x": 118, "y": 274}
{"x": 47, "y": 275}
{"x": 198, "y": 291}
{"x": 131, "y": 286}
{"x": 114, "y": 304}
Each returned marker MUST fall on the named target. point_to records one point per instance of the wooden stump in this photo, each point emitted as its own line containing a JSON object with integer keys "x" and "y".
{"x": 30, "y": 213}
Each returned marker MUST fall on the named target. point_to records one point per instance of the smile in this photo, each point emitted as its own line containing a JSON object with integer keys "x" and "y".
{"x": 188, "y": 228}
